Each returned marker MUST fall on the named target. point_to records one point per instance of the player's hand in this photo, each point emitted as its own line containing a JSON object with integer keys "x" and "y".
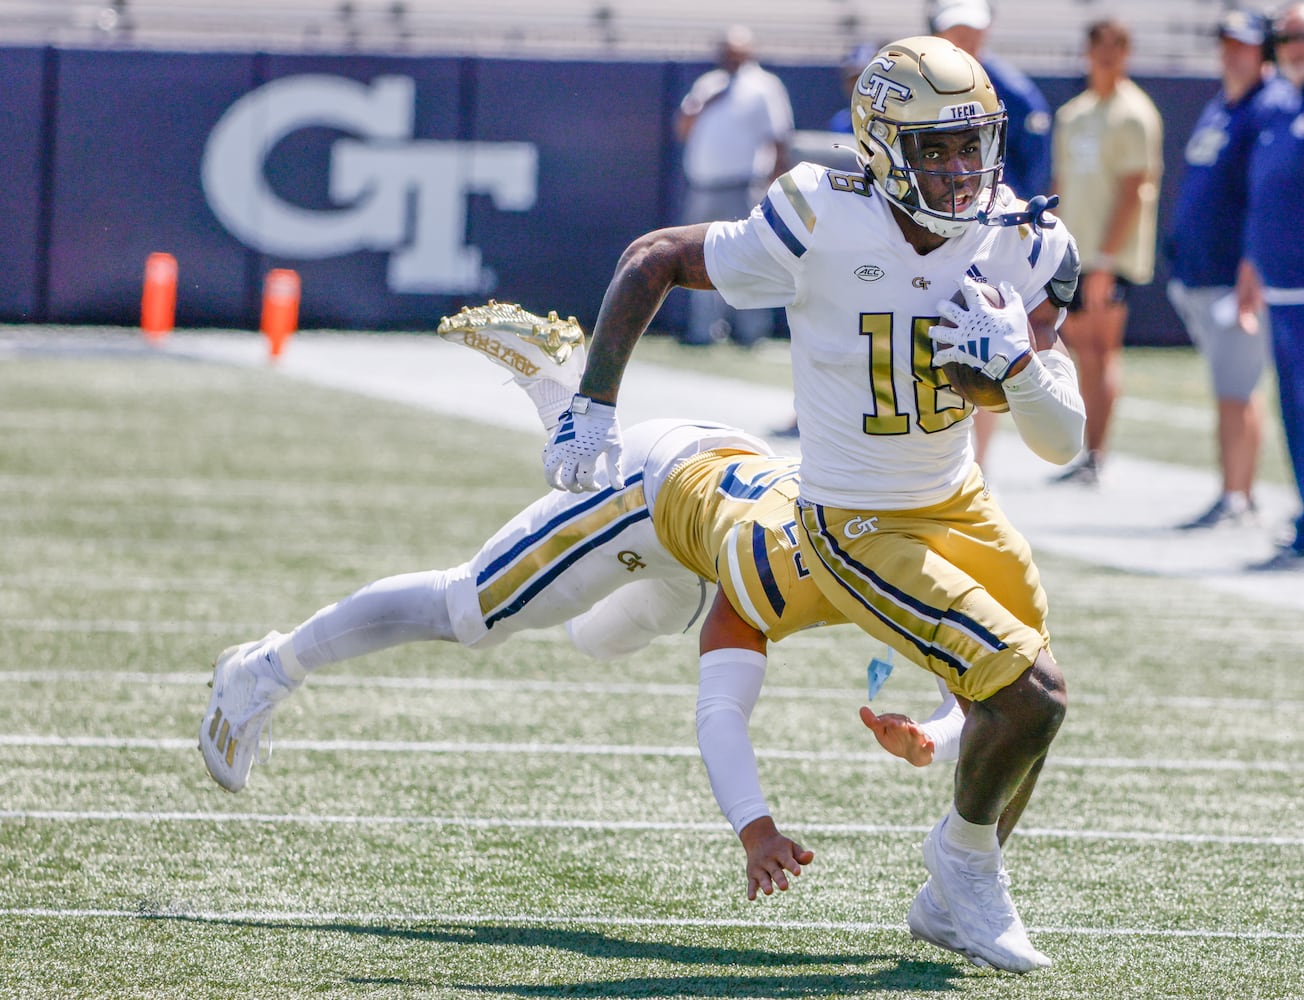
{"x": 587, "y": 437}
{"x": 770, "y": 856}
{"x": 900, "y": 736}
{"x": 983, "y": 331}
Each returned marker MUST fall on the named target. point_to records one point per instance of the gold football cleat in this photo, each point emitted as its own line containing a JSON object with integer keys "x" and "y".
{"x": 500, "y": 329}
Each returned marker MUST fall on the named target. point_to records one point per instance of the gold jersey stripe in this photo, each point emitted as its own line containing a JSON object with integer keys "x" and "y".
{"x": 553, "y": 547}
{"x": 799, "y": 203}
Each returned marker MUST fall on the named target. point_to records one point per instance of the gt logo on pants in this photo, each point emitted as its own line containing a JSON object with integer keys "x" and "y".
{"x": 858, "y": 526}
{"x": 395, "y": 193}
{"x": 631, "y": 560}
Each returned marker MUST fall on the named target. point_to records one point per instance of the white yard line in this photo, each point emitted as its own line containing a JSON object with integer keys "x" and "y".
{"x": 614, "y": 826}
{"x": 507, "y": 685}
{"x": 461, "y": 747}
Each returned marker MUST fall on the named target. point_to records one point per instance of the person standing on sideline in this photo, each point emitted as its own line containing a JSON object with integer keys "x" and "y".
{"x": 895, "y": 525}
{"x": 1107, "y": 159}
{"x": 1205, "y": 253}
{"x": 1273, "y": 272}
{"x": 852, "y": 65}
{"x": 965, "y": 24}
{"x": 735, "y": 123}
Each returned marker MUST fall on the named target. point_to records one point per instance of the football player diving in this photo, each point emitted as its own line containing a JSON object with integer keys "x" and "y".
{"x": 895, "y": 523}
{"x": 702, "y": 503}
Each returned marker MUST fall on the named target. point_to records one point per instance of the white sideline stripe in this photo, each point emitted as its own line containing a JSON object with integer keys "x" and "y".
{"x": 581, "y": 920}
{"x": 615, "y": 750}
{"x": 618, "y": 826}
{"x": 645, "y": 689}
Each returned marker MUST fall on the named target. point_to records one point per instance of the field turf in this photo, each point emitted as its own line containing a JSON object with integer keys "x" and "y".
{"x": 522, "y": 823}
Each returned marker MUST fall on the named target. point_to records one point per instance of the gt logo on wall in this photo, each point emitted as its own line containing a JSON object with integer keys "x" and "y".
{"x": 395, "y": 193}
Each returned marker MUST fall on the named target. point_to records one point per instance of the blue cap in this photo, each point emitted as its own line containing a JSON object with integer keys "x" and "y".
{"x": 1243, "y": 26}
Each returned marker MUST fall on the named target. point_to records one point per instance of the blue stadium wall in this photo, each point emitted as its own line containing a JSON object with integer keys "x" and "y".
{"x": 400, "y": 188}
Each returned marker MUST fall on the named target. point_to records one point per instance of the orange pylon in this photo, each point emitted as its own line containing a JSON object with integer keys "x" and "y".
{"x": 280, "y": 308}
{"x": 158, "y": 299}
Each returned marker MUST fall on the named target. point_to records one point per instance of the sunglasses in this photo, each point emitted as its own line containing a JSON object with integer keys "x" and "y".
{"x": 1294, "y": 36}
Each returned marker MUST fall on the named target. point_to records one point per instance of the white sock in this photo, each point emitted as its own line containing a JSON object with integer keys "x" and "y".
{"x": 285, "y": 665}
{"x": 1236, "y": 501}
{"x": 976, "y": 838}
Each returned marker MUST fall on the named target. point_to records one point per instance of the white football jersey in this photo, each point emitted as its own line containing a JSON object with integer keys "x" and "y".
{"x": 880, "y": 427}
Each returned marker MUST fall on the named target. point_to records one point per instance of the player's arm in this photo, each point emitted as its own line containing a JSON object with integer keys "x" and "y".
{"x": 1040, "y": 381}
{"x": 1044, "y": 398}
{"x": 730, "y": 678}
{"x": 649, "y": 268}
{"x": 585, "y": 448}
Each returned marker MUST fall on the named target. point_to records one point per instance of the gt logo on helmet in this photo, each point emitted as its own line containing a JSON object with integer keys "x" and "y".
{"x": 879, "y": 89}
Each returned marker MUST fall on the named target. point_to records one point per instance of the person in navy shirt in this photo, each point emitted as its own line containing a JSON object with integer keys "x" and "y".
{"x": 1273, "y": 271}
{"x": 1210, "y": 205}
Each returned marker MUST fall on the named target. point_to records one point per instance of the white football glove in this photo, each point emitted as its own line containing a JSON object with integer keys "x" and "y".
{"x": 587, "y": 434}
{"x": 984, "y": 337}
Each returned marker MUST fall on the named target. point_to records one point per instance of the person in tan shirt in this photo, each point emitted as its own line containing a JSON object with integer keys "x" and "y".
{"x": 1107, "y": 160}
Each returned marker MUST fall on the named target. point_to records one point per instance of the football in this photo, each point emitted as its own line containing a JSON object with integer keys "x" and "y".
{"x": 969, "y": 382}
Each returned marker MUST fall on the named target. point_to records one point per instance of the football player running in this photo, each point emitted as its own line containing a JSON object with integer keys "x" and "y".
{"x": 896, "y": 525}
{"x": 618, "y": 567}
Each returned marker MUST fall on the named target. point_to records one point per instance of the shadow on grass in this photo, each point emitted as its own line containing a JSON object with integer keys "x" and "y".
{"x": 902, "y": 977}
{"x": 798, "y": 980}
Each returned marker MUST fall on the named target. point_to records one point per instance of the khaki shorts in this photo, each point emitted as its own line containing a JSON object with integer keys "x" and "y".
{"x": 952, "y": 587}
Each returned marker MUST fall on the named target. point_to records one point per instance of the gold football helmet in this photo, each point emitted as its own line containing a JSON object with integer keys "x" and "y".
{"x": 912, "y": 93}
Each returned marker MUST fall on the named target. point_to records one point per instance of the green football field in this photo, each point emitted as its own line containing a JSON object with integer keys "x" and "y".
{"x": 521, "y": 822}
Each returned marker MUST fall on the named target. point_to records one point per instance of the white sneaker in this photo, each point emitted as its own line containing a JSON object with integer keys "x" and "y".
{"x": 544, "y": 354}
{"x": 984, "y": 921}
{"x": 244, "y": 695}
{"x": 930, "y": 921}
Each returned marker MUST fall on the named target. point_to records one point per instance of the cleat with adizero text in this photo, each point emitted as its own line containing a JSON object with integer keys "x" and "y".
{"x": 245, "y": 691}
{"x": 974, "y": 890}
{"x": 544, "y": 354}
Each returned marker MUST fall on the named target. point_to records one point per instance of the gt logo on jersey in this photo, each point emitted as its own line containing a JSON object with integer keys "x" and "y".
{"x": 879, "y": 89}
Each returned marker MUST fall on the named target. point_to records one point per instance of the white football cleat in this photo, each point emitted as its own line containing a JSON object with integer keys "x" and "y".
{"x": 545, "y": 355}
{"x": 244, "y": 694}
{"x": 930, "y": 921}
{"x": 974, "y": 890}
